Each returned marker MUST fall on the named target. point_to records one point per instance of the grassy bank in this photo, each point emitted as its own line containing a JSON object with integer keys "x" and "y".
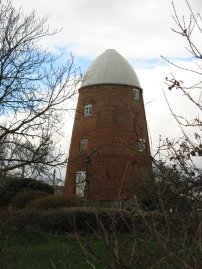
{"x": 34, "y": 250}
{"x": 78, "y": 238}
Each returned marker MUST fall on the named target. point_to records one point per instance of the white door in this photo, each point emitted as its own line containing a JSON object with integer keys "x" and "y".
{"x": 80, "y": 182}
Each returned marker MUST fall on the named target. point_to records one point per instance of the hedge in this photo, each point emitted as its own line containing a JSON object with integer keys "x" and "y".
{"x": 68, "y": 220}
{"x": 23, "y": 198}
{"x": 55, "y": 202}
{"x": 88, "y": 220}
{"x": 15, "y": 185}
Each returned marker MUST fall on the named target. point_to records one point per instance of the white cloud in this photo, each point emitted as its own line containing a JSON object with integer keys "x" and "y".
{"x": 138, "y": 29}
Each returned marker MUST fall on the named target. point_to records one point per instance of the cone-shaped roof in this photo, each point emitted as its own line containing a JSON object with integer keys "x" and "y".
{"x": 110, "y": 68}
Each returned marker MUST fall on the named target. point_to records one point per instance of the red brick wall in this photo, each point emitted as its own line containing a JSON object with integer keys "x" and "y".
{"x": 114, "y": 161}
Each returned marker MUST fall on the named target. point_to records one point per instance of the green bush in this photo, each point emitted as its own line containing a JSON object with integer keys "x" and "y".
{"x": 55, "y": 202}
{"x": 147, "y": 234}
{"x": 80, "y": 220}
{"x": 70, "y": 220}
{"x": 14, "y": 185}
{"x": 23, "y": 198}
{"x": 94, "y": 221}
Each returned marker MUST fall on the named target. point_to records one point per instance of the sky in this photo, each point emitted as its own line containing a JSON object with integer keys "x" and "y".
{"x": 140, "y": 30}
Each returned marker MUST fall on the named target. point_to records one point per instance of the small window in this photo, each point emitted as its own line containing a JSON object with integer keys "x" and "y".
{"x": 88, "y": 110}
{"x": 83, "y": 144}
{"x": 142, "y": 145}
{"x": 136, "y": 94}
{"x": 80, "y": 183}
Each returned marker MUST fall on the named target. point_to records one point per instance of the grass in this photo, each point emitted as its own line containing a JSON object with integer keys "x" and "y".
{"x": 24, "y": 247}
{"x": 45, "y": 251}
{"x": 36, "y": 250}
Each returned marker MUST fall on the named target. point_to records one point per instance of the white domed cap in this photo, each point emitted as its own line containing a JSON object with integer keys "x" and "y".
{"x": 110, "y": 68}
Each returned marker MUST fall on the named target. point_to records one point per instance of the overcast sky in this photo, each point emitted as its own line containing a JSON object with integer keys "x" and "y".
{"x": 140, "y": 30}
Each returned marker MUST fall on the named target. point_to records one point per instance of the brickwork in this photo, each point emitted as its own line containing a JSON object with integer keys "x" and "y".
{"x": 112, "y": 160}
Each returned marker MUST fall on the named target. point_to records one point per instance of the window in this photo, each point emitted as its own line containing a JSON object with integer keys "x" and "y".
{"x": 83, "y": 144}
{"x": 142, "y": 145}
{"x": 87, "y": 110}
{"x": 136, "y": 94}
{"x": 80, "y": 183}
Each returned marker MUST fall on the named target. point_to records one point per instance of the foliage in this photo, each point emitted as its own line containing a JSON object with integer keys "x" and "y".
{"x": 42, "y": 250}
{"x": 55, "y": 202}
{"x": 176, "y": 190}
{"x": 126, "y": 239}
{"x": 93, "y": 221}
{"x": 15, "y": 185}
{"x": 8, "y": 260}
{"x": 23, "y": 198}
{"x": 146, "y": 190}
{"x": 67, "y": 220}
{"x": 154, "y": 242}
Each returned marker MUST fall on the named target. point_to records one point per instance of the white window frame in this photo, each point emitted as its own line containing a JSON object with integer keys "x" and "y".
{"x": 83, "y": 144}
{"x": 136, "y": 94}
{"x": 142, "y": 145}
{"x": 80, "y": 183}
{"x": 88, "y": 110}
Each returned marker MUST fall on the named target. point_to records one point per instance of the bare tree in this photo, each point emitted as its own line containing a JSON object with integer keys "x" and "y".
{"x": 180, "y": 153}
{"x": 34, "y": 89}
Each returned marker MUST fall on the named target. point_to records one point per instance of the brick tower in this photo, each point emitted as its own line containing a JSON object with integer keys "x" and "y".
{"x": 109, "y": 148}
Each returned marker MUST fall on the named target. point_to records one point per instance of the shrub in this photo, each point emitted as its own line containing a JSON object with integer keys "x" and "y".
{"x": 149, "y": 235}
{"x": 98, "y": 221}
{"x": 23, "y": 198}
{"x": 70, "y": 220}
{"x": 55, "y": 202}
{"x": 14, "y": 185}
